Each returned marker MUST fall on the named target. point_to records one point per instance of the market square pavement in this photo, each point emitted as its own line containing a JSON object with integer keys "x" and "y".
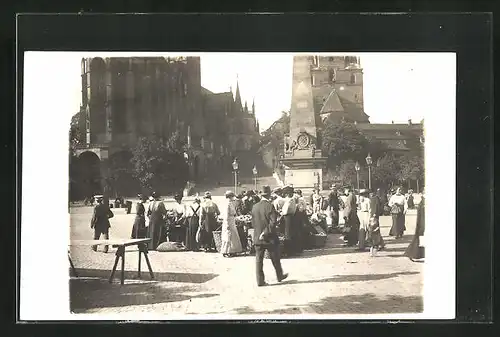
{"x": 332, "y": 280}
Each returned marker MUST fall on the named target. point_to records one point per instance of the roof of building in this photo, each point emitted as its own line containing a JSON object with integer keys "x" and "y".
{"x": 391, "y": 127}
{"x": 395, "y": 144}
{"x": 205, "y": 91}
{"x": 332, "y": 103}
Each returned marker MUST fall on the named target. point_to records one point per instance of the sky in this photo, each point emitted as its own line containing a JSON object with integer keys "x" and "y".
{"x": 397, "y": 86}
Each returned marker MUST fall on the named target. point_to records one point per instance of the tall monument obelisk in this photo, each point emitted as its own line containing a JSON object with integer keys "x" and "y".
{"x": 303, "y": 159}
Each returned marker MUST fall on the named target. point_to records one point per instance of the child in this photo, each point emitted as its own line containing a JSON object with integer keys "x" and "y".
{"x": 374, "y": 235}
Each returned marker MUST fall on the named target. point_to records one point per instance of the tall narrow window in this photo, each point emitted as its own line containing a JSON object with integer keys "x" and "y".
{"x": 353, "y": 79}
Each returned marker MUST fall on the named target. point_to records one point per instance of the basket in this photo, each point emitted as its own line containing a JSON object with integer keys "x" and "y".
{"x": 281, "y": 248}
{"x": 318, "y": 240}
{"x": 217, "y": 240}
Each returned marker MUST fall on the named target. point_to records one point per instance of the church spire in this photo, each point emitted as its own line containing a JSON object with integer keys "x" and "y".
{"x": 237, "y": 98}
{"x": 246, "y": 107}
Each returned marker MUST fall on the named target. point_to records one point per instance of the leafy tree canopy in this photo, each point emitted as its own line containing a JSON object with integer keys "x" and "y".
{"x": 343, "y": 141}
{"x": 159, "y": 164}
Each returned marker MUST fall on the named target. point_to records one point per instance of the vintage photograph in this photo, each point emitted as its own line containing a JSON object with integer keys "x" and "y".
{"x": 249, "y": 184}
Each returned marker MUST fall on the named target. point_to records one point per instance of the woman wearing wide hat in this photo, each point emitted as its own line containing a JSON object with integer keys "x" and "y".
{"x": 231, "y": 243}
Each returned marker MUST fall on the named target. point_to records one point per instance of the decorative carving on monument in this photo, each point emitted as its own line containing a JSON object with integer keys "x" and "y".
{"x": 306, "y": 141}
{"x": 303, "y": 140}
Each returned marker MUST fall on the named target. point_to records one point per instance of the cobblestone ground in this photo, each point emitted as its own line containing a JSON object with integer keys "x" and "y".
{"x": 332, "y": 280}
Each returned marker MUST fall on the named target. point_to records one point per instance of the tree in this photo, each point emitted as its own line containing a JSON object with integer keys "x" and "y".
{"x": 75, "y": 138}
{"x": 159, "y": 164}
{"x": 341, "y": 142}
{"x": 411, "y": 167}
{"x": 347, "y": 173}
{"x": 386, "y": 170}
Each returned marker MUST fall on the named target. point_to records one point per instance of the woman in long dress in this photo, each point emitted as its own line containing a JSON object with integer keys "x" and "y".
{"x": 156, "y": 215}
{"x": 288, "y": 214}
{"x": 193, "y": 216}
{"x": 178, "y": 230}
{"x": 398, "y": 206}
{"x": 231, "y": 243}
{"x": 364, "y": 218}
{"x": 139, "y": 227}
{"x": 208, "y": 223}
{"x": 415, "y": 251}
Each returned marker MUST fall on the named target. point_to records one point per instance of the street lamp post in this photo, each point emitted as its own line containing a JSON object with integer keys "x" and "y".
{"x": 369, "y": 162}
{"x": 357, "y": 168}
{"x": 235, "y": 169}
{"x": 254, "y": 171}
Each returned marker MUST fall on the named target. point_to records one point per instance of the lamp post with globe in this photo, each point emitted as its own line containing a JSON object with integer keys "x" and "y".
{"x": 369, "y": 162}
{"x": 357, "y": 168}
{"x": 235, "y": 169}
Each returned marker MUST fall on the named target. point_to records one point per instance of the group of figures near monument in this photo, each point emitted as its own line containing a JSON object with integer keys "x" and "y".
{"x": 280, "y": 221}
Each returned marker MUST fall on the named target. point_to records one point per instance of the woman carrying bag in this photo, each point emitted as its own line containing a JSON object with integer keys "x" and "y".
{"x": 398, "y": 206}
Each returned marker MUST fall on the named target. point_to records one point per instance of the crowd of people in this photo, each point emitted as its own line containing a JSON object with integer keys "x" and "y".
{"x": 284, "y": 212}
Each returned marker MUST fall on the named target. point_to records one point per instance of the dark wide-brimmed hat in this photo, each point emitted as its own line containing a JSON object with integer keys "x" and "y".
{"x": 266, "y": 191}
{"x": 177, "y": 196}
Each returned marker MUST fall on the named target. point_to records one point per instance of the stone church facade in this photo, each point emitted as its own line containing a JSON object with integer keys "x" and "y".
{"x": 124, "y": 99}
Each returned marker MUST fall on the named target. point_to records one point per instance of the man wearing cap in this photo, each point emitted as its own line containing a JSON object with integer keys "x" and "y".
{"x": 265, "y": 236}
{"x": 100, "y": 221}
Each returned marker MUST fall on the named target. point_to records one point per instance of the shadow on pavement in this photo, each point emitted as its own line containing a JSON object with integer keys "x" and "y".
{"x": 351, "y": 304}
{"x": 132, "y": 275}
{"x": 97, "y": 293}
{"x": 340, "y": 249}
{"x": 348, "y": 278}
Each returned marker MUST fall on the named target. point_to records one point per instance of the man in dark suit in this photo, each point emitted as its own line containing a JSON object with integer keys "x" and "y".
{"x": 100, "y": 221}
{"x": 265, "y": 236}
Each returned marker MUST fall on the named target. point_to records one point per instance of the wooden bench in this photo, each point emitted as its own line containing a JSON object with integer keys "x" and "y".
{"x": 142, "y": 245}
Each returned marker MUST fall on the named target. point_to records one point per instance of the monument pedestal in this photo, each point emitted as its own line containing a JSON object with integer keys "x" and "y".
{"x": 304, "y": 172}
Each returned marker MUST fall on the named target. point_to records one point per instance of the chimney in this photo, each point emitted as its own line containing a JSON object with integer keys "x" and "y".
{"x": 392, "y": 122}
{"x": 409, "y": 121}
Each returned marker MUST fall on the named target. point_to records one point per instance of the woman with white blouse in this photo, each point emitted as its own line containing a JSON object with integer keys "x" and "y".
{"x": 398, "y": 206}
{"x": 364, "y": 217}
{"x": 231, "y": 243}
